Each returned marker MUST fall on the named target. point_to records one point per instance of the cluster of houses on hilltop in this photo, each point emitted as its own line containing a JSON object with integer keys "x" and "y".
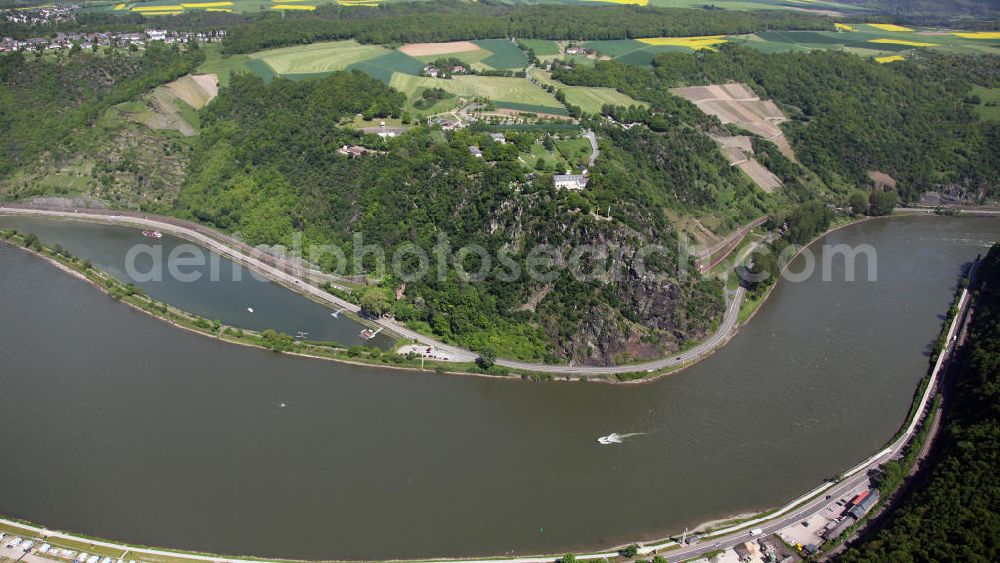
{"x": 435, "y": 72}
{"x": 42, "y": 14}
{"x": 576, "y": 50}
{"x": 89, "y": 40}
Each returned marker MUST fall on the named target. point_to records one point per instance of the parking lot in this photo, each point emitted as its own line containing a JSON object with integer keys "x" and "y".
{"x": 808, "y": 530}
{"x": 31, "y": 549}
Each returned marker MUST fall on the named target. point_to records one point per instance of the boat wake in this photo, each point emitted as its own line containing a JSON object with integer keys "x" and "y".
{"x": 616, "y": 438}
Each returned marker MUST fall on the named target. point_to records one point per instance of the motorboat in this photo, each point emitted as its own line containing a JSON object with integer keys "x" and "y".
{"x": 155, "y": 235}
{"x": 612, "y": 438}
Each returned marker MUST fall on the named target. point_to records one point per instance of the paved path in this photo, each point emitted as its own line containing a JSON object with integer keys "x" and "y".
{"x": 595, "y": 150}
{"x": 285, "y": 273}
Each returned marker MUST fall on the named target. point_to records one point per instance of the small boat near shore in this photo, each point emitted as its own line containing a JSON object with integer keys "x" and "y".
{"x": 368, "y": 334}
{"x": 612, "y": 438}
{"x": 155, "y": 235}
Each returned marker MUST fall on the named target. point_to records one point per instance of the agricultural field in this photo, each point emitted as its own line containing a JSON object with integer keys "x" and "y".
{"x": 874, "y": 40}
{"x": 173, "y": 106}
{"x": 221, "y": 67}
{"x": 737, "y": 104}
{"x": 542, "y": 47}
{"x": 591, "y": 100}
{"x": 816, "y": 6}
{"x": 988, "y": 107}
{"x": 317, "y": 58}
{"x": 173, "y": 7}
{"x": 465, "y": 51}
{"x": 642, "y": 51}
{"x": 505, "y": 54}
{"x": 511, "y": 93}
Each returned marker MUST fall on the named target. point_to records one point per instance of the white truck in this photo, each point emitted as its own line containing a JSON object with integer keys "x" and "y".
{"x": 756, "y": 532}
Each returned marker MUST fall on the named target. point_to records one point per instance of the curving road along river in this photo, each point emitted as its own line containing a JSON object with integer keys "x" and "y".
{"x": 297, "y": 278}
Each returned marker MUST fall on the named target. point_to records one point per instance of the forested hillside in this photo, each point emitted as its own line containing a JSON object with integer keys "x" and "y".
{"x": 849, "y": 115}
{"x": 46, "y": 104}
{"x": 454, "y": 20}
{"x": 955, "y": 515}
{"x": 266, "y": 165}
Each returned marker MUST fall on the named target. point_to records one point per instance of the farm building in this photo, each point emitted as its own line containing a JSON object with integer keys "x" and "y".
{"x": 570, "y": 181}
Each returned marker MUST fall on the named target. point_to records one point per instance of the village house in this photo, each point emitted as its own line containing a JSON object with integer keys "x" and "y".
{"x": 353, "y": 151}
{"x": 570, "y": 181}
{"x": 474, "y": 151}
{"x": 499, "y": 137}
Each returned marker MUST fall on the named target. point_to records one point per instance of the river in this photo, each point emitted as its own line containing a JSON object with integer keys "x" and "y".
{"x": 195, "y": 290}
{"x": 117, "y": 425}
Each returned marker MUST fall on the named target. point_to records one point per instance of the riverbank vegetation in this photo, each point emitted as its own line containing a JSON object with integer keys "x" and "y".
{"x": 952, "y": 515}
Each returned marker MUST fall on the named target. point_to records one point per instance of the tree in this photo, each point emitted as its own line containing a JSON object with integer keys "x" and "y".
{"x": 630, "y": 551}
{"x": 882, "y": 203}
{"x": 858, "y": 202}
{"x": 374, "y": 301}
{"x": 487, "y": 358}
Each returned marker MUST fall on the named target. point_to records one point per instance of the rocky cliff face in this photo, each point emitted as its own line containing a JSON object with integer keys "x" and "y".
{"x": 644, "y": 308}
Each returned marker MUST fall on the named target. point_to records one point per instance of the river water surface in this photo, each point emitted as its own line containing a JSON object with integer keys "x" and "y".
{"x": 117, "y": 425}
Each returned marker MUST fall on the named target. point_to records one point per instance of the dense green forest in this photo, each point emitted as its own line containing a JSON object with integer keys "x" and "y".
{"x": 909, "y": 9}
{"x": 454, "y": 20}
{"x": 849, "y": 115}
{"x": 46, "y": 104}
{"x": 266, "y": 166}
{"x": 955, "y": 514}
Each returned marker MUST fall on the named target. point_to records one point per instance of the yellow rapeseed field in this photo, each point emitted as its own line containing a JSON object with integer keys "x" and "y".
{"x": 295, "y": 7}
{"x": 889, "y": 59}
{"x": 978, "y": 34}
{"x": 227, "y": 10}
{"x": 844, "y": 27}
{"x": 207, "y": 4}
{"x": 120, "y": 7}
{"x": 904, "y": 42}
{"x": 696, "y": 43}
{"x": 889, "y": 27}
{"x": 177, "y": 8}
